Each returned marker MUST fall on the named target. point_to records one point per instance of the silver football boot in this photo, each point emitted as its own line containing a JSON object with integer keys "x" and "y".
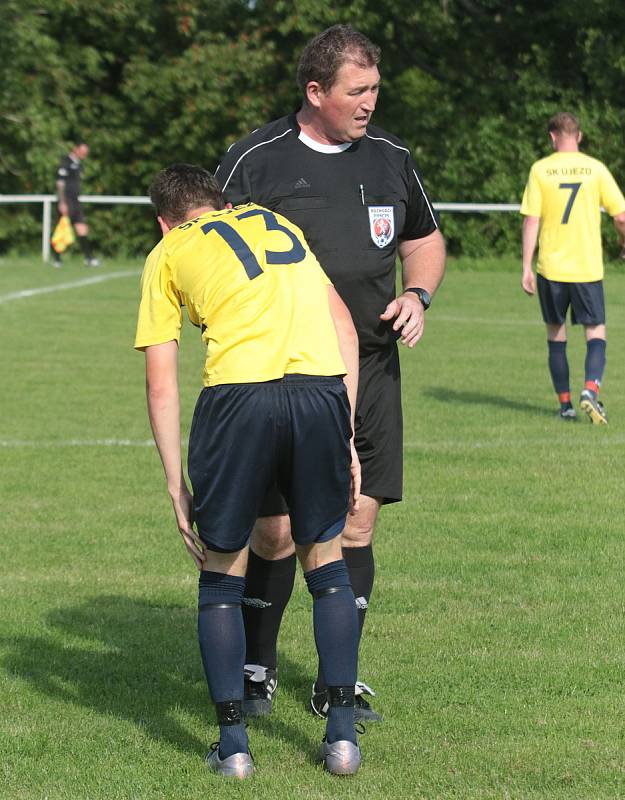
{"x": 340, "y": 758}
{"x": 238, "y": 765}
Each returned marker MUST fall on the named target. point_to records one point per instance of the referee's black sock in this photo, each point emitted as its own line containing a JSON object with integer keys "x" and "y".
{"x": 268, "y": 587}
{"x": 361, "y": 567}
{"x": 85, "y": 246}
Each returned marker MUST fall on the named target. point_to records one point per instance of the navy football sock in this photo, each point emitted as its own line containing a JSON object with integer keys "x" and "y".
{"x": 595, "y": 363}
{"x": 559, "y": 366}
{"x": 361, "y": 567}
{"x": 222, "y": 644}
{"x": 268, "y": 587}
{"x": 336, "y": 635}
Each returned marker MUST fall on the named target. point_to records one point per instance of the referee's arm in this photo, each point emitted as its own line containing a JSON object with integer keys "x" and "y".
{"x": 61, "y": 196}
{"x": 423, "y": 266}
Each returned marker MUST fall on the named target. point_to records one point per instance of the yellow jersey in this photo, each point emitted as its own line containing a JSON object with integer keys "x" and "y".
{"x": 250, "y": 282}
{"x": 567, "y": 190}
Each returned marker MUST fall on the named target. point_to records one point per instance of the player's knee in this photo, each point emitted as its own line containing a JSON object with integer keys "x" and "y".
{"x": 358, "y": 533}
{"x": 359, "y": 528}
{"x": 271, "y": 537}
{"x": 595, "y": 332}
{"x": 316, "y": 555}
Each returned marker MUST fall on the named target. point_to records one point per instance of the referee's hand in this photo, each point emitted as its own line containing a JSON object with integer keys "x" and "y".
{"x": 408, "y": 312}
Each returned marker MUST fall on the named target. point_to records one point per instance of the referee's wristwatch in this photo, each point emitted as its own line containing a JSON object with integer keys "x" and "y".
{"x": 423, "y": 295}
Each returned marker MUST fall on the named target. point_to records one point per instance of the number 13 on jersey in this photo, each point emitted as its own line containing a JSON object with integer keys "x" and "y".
{"x": 242, "y": 250}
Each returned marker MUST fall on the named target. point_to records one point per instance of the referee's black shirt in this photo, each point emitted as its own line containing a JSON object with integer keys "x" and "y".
{"x": 69, "y": 173}
{"x": 335, "y": 197}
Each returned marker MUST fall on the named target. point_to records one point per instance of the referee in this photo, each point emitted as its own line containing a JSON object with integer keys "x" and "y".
{"x": 355, "y": 191}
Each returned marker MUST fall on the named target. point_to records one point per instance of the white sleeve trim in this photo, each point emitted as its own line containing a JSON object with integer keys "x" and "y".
{"x": 425, "y": 197}
{"x": 405, "y": 149}
{"x": 388, "y": 141}
{"x": 247, "y": 152}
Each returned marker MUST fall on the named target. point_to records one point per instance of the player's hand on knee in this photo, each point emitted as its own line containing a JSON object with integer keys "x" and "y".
{"x": 354, "y": 498}
{"x": 183, "y": 509}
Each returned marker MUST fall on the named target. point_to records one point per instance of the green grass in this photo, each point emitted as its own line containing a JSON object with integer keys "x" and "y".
{"x": 495, "y": 635}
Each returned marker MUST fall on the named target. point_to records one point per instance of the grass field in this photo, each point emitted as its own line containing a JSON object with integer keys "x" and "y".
{"x": 495, "y": 638}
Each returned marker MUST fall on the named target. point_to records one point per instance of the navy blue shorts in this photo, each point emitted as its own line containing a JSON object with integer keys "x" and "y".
{"x": 585, "y": 299}
{"x": 245, "y": 437}
{"x": 378, "y": 428}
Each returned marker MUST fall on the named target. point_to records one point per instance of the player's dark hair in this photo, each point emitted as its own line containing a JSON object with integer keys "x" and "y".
{"x": 563, "y": 123}
{"x": 326, "y": 53}
{"x": 180, "y": 188}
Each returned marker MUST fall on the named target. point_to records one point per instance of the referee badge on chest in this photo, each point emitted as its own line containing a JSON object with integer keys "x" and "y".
{"x": 382, "y": 224}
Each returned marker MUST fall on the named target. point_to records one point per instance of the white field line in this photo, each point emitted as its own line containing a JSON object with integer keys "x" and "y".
{"x": 509, "y": 322}
{"x": 59, "y": 287}
{"x": 23, "y": 443}
{"x": 494, "y": 320}
{"x": 476, "y": 444}
{"x": 617, "y": 440}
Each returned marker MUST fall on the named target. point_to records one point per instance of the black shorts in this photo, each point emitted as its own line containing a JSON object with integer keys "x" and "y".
{"x": 244, "y": 437}
{"x": 74, "y": 211}
{"x": 585, "y": 299}
{"x": 379, "y": 431}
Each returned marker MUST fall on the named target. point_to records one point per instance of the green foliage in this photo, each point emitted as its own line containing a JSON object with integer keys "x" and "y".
{"x": 468, "y": 84}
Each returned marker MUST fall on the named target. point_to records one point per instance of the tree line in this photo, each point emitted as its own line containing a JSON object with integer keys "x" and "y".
{"x": 467, "y": 84}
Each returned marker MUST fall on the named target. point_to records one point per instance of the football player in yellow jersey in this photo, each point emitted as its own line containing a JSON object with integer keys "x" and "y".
{"x": 562, "y": 208}
{"x": 275, "y": 407}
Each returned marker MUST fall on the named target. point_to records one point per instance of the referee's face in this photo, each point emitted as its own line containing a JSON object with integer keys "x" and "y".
{"x": 345, "y": 110}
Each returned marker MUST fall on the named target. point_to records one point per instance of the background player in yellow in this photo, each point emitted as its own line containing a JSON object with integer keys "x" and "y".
{"x": 274, "y": 408}
{"x": 562, "y": 208}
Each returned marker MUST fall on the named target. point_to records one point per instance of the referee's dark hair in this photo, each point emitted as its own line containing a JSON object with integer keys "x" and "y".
{"x": 180, "y": 188}
{"x": 326, "y": 53}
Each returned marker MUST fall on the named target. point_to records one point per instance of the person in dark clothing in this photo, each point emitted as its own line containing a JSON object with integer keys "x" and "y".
{"x": 68, "y": 183}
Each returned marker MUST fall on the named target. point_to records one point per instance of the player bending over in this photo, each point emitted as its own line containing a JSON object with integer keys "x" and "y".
{"x": 274, "y": 407}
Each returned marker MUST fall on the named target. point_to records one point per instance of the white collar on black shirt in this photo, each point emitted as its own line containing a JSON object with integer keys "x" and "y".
{"x": 322, "y": 148}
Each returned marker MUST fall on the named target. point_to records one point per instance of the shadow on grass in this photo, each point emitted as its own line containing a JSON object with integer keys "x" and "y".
{"x": 292, "y": 677}
{"x": 137, "y": 661}
{"x": 445, "y": 395}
